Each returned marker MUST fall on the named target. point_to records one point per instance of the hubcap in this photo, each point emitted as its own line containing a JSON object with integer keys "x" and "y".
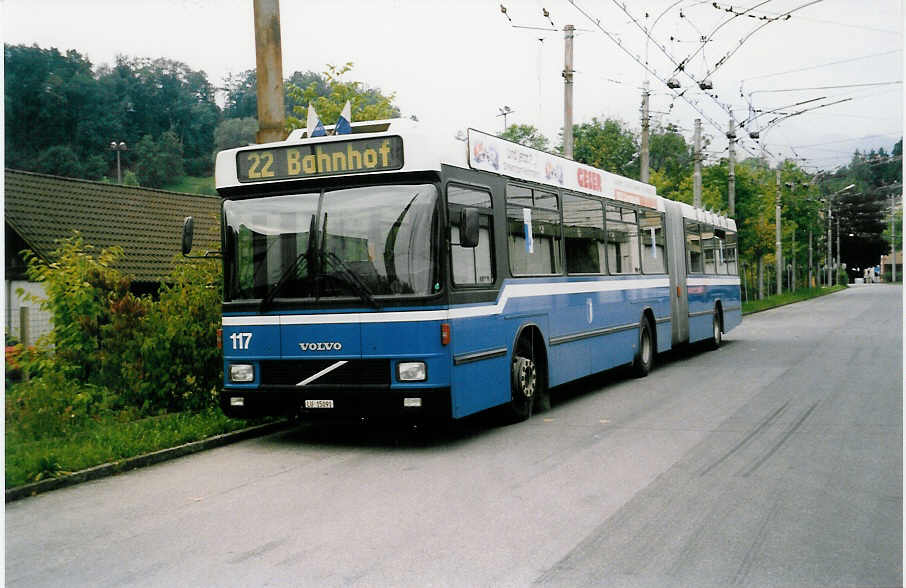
{"x": 646, "y": 348}
{"x": 524, "y": 372}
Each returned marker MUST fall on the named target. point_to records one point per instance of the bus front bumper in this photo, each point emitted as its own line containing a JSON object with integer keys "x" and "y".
{"x": 342, "y": 403}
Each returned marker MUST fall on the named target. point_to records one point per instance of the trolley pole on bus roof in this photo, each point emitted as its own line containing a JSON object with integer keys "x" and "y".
{"x": 269, "y": 68}
{"x": 569, "y": 32}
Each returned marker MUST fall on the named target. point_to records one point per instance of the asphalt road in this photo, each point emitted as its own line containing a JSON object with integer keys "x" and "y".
{"x": 777, "y": 460}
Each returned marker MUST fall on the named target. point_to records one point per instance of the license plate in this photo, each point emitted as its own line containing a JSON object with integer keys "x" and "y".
{"x": 319, "y": 404}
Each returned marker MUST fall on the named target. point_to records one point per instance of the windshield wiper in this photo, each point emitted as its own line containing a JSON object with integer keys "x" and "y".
{"x": 301, "y": 261}
{"x": 351, "y": 278}
{"x": 292, "y": 270}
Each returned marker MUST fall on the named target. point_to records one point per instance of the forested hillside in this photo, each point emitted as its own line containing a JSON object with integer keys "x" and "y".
{"x": 63, "y": 112}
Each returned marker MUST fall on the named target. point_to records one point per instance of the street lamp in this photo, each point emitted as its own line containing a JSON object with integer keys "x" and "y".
{"x": 117, "y": 147}
{"x": 503, "y": 112}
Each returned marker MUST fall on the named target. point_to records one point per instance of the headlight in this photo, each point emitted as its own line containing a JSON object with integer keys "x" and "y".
{"x": 242, "y": 372}
{"x": 412, "y": 371}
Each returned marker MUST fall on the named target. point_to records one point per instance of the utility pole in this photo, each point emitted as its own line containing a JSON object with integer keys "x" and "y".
{"x": 810, "y": 276}
{"x": 697, "y": 158}
{"x": 830, "y": 242}
{"x": 792, "y": 284}
{"x": 568, "y": 35}
{"x": 778, "y": 247}
{"x": 645, "y": 128}
{"x": 893, "y": 237}
{"x": 731, "y": 164}
{"x": 839, "y": 263}
{"x": 269, "y": 68}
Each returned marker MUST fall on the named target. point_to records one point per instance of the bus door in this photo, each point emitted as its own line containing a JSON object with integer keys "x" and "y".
{"x": 679, "y": 305}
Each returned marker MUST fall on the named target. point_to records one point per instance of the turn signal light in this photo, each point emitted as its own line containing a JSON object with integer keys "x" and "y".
{"x": 444, "y": 334}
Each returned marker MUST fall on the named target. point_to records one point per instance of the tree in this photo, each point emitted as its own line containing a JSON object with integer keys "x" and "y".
{"x": 235, "y": 132}
{"x": 607, "y": 145}
{"x": 366, "y": 103}
{"x": 159, "y": 161}
{"x": 894, "y": 241}
{"x": 59, "y": 160}
{"x": 670, "y": 157}
{"x": 526, "y": 135}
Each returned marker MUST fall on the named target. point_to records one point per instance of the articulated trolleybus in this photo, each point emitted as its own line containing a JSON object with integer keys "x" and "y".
{"x": 388, "y": 272}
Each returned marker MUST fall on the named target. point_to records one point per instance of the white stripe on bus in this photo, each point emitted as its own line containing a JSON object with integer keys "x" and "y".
{"x": 510, "y": 291}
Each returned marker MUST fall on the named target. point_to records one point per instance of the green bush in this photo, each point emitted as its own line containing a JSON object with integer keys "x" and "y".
{"x": 182, "y": 364}
{"x": 152, "y": 355}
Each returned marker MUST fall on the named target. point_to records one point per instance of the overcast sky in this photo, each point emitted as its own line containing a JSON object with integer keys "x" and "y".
{"x": 454, "y": 64}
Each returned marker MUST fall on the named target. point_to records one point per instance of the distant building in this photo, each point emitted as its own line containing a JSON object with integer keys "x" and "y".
{"x": 886, "y": 267}
{"x": 39, "y": 210}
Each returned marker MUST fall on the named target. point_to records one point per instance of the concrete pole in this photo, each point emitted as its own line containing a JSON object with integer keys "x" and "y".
{"x": 810, "y": 275}
{"x": 830, "y": 243}
{"x": 568, "y": 35}
{"x": 893, "y": 239}
{"x": 792, "y": 283}
{"x": 269, "y": 62}
{"x": 697, "y": 158}
{"x": 731, "y": 164}
{"x": 645, "y": 129}
{"x": 778, "y": 246}
{"x": 839, "y": 257}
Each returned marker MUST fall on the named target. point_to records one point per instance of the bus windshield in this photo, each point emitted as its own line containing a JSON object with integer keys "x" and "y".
{"x": 363, "y": 242}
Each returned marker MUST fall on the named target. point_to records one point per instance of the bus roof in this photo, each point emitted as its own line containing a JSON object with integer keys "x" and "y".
{"x": 402, "y": 145}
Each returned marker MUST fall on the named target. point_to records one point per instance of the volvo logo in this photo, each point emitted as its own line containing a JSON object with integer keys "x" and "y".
{"x": 322, "y": 346}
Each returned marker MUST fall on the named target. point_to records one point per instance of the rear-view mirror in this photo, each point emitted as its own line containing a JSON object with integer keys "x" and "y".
{"x": 468, "y": 227}
{"x": 188, "y": 232}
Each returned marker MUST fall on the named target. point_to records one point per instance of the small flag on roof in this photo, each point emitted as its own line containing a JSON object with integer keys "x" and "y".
{"x": 344, "y": 123}
{"x": 314, "y": 125}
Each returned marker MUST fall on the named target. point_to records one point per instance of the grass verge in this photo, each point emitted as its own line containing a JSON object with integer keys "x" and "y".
{"x": 110, "y": 438}
{"x": 194, "y": 185}
{"x": 787, "y": 298}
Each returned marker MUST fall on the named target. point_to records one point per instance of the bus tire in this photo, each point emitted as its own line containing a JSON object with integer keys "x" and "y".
{"x": 716, "y": 332}
{"x": 644, "y": 357}
{"x": 526, "y": 382}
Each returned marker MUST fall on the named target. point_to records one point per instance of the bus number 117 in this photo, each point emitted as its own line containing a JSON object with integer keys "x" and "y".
{"x": 241, "y": 340}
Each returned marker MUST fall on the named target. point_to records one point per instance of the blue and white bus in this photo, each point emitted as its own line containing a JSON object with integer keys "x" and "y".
{"x": 389, "y": 272}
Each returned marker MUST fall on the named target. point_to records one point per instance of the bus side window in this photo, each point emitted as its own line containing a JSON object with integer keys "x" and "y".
{"x": 533, "y": 231}
{"x": 583, "y": 231}
{"x": 471, "y": 266}
{"x": 622, "y": 241}
{"x": 693, "y": 247}
{"x": 710, "y": 248}
{"x": 654, "y": 252}
{"x": 730, "y": 254}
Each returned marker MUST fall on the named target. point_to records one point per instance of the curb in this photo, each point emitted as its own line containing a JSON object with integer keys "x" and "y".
{"x": 109, "y": 469}
{"x": 793, "y": 302}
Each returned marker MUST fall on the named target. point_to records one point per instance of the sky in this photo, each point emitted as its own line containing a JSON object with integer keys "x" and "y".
{"x": 456, "y": 64}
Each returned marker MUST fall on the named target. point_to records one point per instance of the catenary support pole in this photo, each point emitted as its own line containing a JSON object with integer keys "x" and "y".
{"x": 269, "y": 63}
{"x": 697, "y": 158}
{"x": 839, "y": 263}
{"x": 645, "y": 130}
{"x": 731, "y": 167}
{"x": 778, "y": 246}
{"x": 569, "y": 32}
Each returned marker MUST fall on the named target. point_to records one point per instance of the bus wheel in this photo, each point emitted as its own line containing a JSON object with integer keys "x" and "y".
{"x": 644, "y": 357}
{"x": 525, "y": 384}
{"x": 716, "y": 337}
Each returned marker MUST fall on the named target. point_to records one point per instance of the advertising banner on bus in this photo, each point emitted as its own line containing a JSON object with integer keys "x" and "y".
{"x": 493, "y": 154}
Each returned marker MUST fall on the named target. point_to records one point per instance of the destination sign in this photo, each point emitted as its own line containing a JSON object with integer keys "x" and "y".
{"x": 320, "y": 159}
